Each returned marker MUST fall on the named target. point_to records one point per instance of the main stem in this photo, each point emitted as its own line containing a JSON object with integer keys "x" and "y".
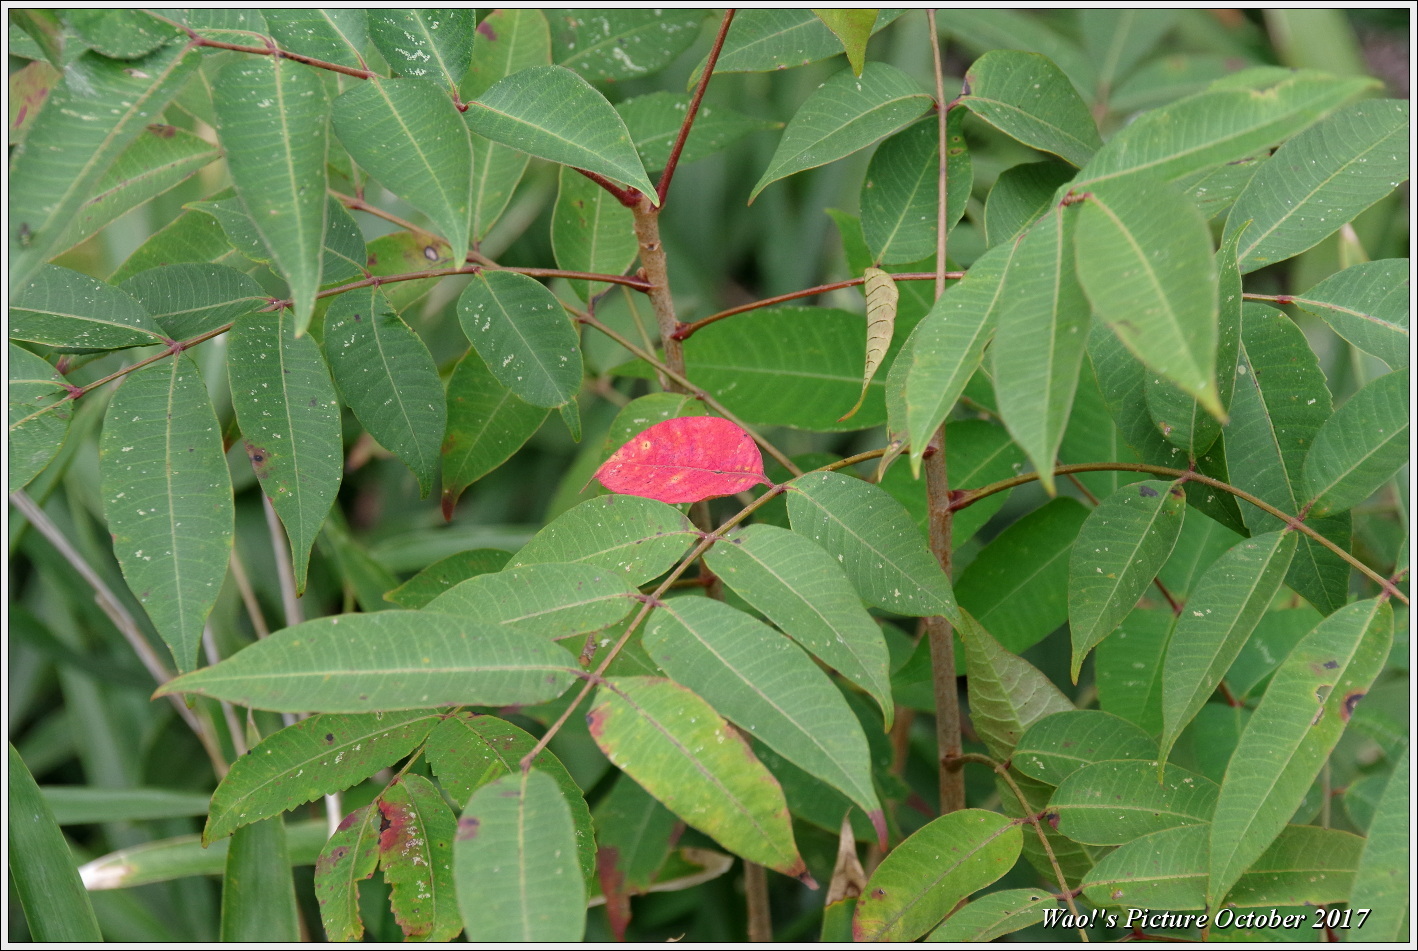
{"x": 938, "y": 629}
{"x": 656, "y": 273}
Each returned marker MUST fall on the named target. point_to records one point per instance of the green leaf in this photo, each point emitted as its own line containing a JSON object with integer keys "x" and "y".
{"x": 1017, "y": 587}
{"x": 160, "y": 158}
{"x": 416, "y": 854}
{"x": 874, "y": 540}
{"x": 766, "y": 686}
{"x": 1121, "y": 548}
{"x": 923, "y": 878}
{"x": 1269, "y": 643}
{"x": 55, "y": 903}
{"x": 72, "y": 311}
{"x": 1292, "y": 733}
{"x": 167, "y": 499}
{"x": 349, "y": 858}
{"x": 1092, "y": 434}
{"x": 1223, "y": 124}
{"x": 1019, "y": 197}
{"x": 506, "y": 42}
{"x": 1145, "y": 259}
{"x": 550, "y": 601}
{"x": 1182, "y": 420}
{"x": 389, "y": 660}
{"x": 443, "y": 574}
{"x": 487, "y": 423}
{"x": 901, "y": 191}
{"x": 1382, "y": 878}
{"x": 1028, "y": 98}
{"x": 1007, "y": 693}
{"x": 89, "y": 805}
{"x": 515, "y": 863}
{"x": 787, "y": 366}
{"x": 190, "y": 299}
{"x": 38, "y": 420}
{"x": 654, "y": 120}
{"x": 425, "y": 44}
{"x": 386, "y": 375}
{"x": 1320, "y": 179}
{"x": 231, "y": 26}
{"x": 1168, "y": 78}
{"x": 800, "y": 589}
{"x": 335, "y": 36}
{"x": 977, "y": 453}
{"x": 258, "y": 889}
{"x": 521, "y": 332}
{"x": 1360, "y": 447}
{"x": 844, "y": 114}
{"x": 90, "y": 119}
{"x": 1128, "y": 666}
{"x": 1366, "y": 304}
{"x": 1053, "y": 748}
{"x": 760, "y": 40}
{"x": 591, "y": 231}
{"x": 408, "y": 135}
{"x": 950, "y": 345}
{"x": 1039, "y": 341}
{"x": 1167, "y": 871}
{"x": 609, "y": 45}
{"x": 1112, "y": 802}
{"x": 273, "y": 117}
{"x": 853, "y": 28}
{"x": 344, "y": 255}
{"x": 986, "y": 30}
{"x": 552, "y": 113}
{"x": 1219, "y": 616}
{"x": 286, "y": 407}
{"x": 1277, "y": 410}
{"x": 685, "y": 755}
{"x": 634, "y": 832}
{"x": 1117, "y": 39}
{"x": 315, "y": 757}
{"x": 121, "y": 34}
{"x": 642, "y": 538}
{"x": 995, "y": 915}
{"x": 181, "y": 856}
{"x": 469, "y": 750}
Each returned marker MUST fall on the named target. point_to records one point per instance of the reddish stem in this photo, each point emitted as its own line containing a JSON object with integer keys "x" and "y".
{"x": 672, "y": 162}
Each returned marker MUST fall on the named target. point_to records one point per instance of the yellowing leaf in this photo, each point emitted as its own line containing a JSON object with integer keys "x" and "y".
{"x": 882, "y": 296}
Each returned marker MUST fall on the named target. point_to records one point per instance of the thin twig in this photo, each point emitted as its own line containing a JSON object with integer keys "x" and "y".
{"x": 290, "y": 601}
{"x": 270, "y": 49}
{"x": 686, "y": 331}
{"x": 354, "y": 203}
{"x": 233, "y": 725}
{"x": 663, "y": 186}
{"x": 629, "y": 197}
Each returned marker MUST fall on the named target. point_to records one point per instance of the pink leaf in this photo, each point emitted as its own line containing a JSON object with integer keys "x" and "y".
{"x": 685, "y": 460}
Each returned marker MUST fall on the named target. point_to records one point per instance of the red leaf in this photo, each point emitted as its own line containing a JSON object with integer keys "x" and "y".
{"x": 685, "y": 460}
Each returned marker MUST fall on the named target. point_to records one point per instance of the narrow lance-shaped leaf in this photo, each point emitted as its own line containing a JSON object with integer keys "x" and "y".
{"x": 317, "y": 756}
{"x": 408, "y": 135}
{"x": 38, "y": 421}
{"x": 1116, "y": 801}
{"x": 1040, "y": 338}
{"x": 641, "y": 538}
{"x": 1291, "y": 734}
{"x": 768, "y": 687}
{"x": 882, "y": 297}
{"x": 487, "y": 423}
{"x": 926, "y": 876}
{"x": 686, "y": 459}
{"x": 286, "y": 407}
{"x": 167, "y": 499}
{"x": 995, "y": 915}
{"x": 350, "y": 857}
{"x": 1027, "y": 97}
{"x": 520, "y": 330}
{"x": 416, "y": 854}
{"x": 425, "y": 44}
{"x": 388, "y": 660}
{"x": 551, "y": 600}
{"x": 388, "y": 378}
{"x": 1007, "y": 693}
{"x": 800, "y": 589}
{"x": 844, "y": 114}
{"x": 515, "y": 863}
{"x": 1145, "y": 259}
{"x": 1320, "y": 179}
{"x": 950, "y": 344}
{"x": 1367, "y": 304}
{"x": 901, "y": 192}
{"x": 92, "y": 115}
{"x": 258, "y": 889}
{"x": 552, "y": 113}
{"x": 1359, "y": 447}
{"x": 1057, "y": 746}
{"x": 1020, "y": 196}
{"x": 273, "y": 116}
{"x": 685, "y": 755}
{"x": 1219, "y": 616}
{"x": 61, "y": 308}
{"x": 1382, "y": 878}
{"x": 188, "y": 299}
{"x": 1120, "y": 550}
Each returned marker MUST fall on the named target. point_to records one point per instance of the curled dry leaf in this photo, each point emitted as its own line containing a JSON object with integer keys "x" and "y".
{"x": 882, "y": 296}
{"x": 685, "y": 460}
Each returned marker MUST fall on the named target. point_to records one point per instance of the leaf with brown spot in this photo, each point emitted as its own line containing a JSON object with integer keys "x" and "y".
{"x": 349, "y": 858}
{"x": 416, "y": 854}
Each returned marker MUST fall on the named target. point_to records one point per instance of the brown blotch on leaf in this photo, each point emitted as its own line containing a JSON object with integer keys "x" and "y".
{"x": 1053, "y": 819}
{"x": 486, "y": 30}
{"x": 1350, "y": 701}
{"x": 430, "y": 252}
{"x": 467, "y": 828}
{"x": 1147, "y": 492}
{"x": 162, "y": 131}
{"x": 596, "y": 720}
{"x": 258, "y": 456}
{"x": 329, "y": 737}
{"x": 1331, "y": 664}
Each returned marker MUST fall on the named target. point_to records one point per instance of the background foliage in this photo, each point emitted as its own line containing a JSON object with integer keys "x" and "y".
{"x": 1177, "y": 254}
